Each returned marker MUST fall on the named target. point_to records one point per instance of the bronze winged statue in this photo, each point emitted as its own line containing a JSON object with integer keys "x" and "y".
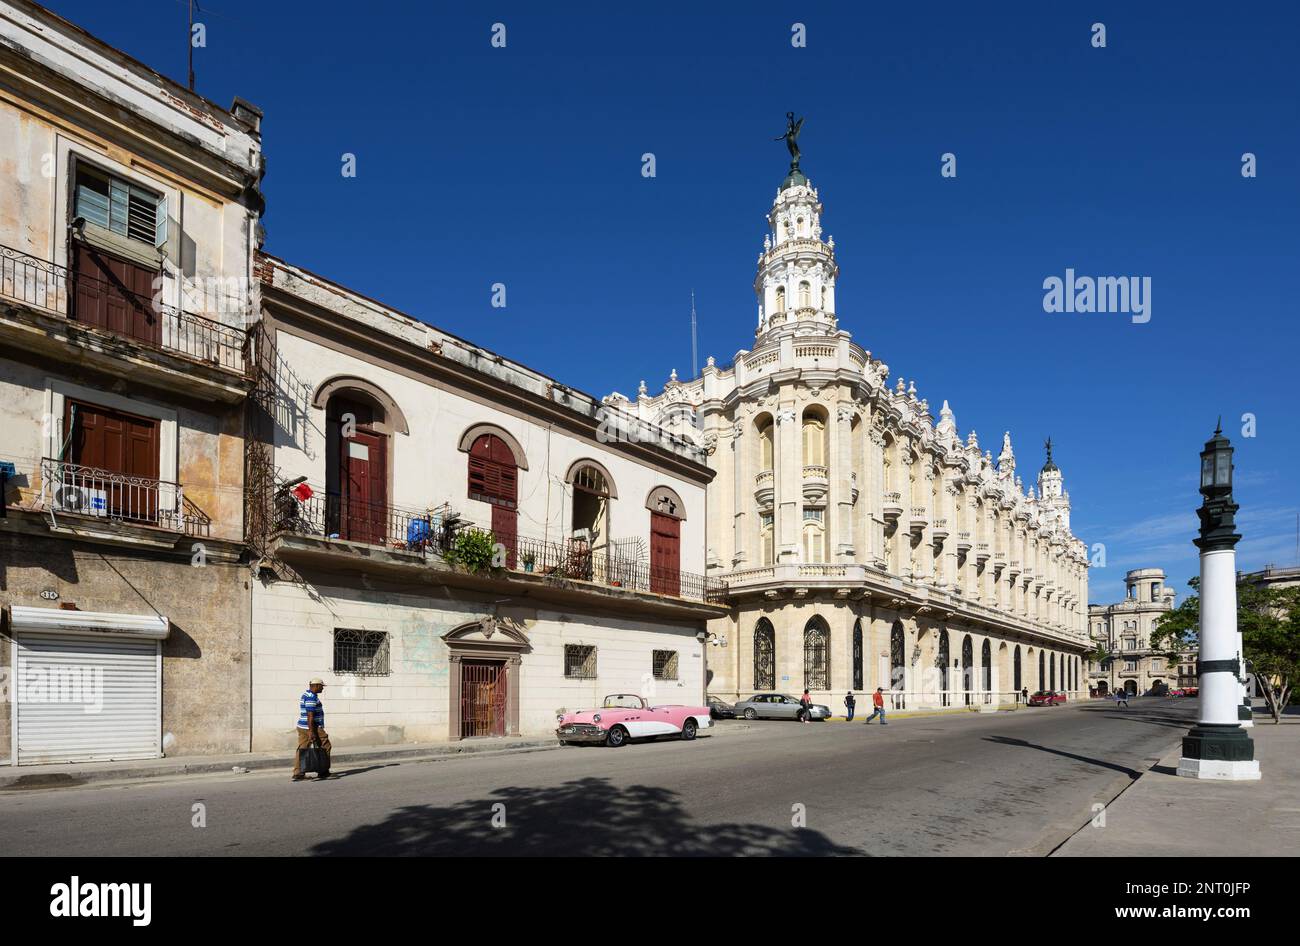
{"x": 791, "y": 138}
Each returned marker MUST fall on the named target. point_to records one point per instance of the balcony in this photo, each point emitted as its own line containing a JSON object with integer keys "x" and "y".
{"x": 816, "y": 483}
{"x": 892, "y": 506}
{"x": 919, "y": 519}
{"x": 939, "y": 531}
{"x": 853, "y": 487}
{"x": 49, "y": 308}
{"x": 982, "y": 552}
{"x": 764, "y": 489}
{"x": 963, "y": 541}
{"x": 333, "y": 525}
{"x": 95, "y": 496}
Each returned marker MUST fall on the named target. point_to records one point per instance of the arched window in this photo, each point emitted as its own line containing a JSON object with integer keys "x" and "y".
{"x": 356, "y": 467}
{"x": 857, "y": 655}
{"x": 897, "y": 665}
{"x": 814, "y": 439}
{"x": 1016, "y": 668}
{"x": 805, "y": 295}
{"x": 814, "y": 534}
{"x": 764, "y": 655}
{"x": 1051, "y": 669}
{"x": 494, "y": 479}
{"x": 817, "y": 654}
{"x": 780, "y": 298}
{"x": 967, "y": 668}
{"x": 1042, "y": 677}
{"x": 766, "y": 453}
{"x": 986, "y": 668}
{"x": 592, "y": 492}
{"x": 941, "y": 662}
{"x": 767, "y": 538}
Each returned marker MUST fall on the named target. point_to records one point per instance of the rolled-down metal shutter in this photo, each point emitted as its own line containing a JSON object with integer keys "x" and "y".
{"x": 88, "y": 699}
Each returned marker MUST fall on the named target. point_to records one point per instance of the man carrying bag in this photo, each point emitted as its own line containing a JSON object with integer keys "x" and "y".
{"x": 313, "y": 753}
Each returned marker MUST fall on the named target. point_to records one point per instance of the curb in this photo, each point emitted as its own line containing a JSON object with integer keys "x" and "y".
{"x": 77, "y": 777}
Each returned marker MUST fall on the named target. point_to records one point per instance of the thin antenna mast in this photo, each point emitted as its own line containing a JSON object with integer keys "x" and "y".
{"x": 695, "y": 355}
{"x": 189, "y": 43}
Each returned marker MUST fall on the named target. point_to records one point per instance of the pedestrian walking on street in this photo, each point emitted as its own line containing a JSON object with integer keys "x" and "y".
{"x": 1121, "y": 696}
{"x": 806, "y": 702}
{"x": 1024, "y": 694}
{"x": 849, "y": 703}
{"x": 878, "y": 700}
{"x": 311, "y": 728}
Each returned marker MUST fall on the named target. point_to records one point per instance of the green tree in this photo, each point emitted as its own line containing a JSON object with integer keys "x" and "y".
{"x": 1269, "y": 621}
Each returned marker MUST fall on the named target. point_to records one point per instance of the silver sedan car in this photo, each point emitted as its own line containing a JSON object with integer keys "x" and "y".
{"x": 778, "y": 706}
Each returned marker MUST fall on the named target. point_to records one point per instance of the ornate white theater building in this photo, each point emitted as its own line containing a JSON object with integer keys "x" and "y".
{"x": 864, "y": 544}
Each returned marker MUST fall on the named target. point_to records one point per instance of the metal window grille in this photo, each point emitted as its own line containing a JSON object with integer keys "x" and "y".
{"x": 665, "y": 664}
{"x": 364, "y": 653}
{"x": 580, "y": 661}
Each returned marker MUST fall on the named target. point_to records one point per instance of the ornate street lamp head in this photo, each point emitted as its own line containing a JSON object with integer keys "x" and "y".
{"x": 1216, "y": 466}
{"x": 1218, "y": 531}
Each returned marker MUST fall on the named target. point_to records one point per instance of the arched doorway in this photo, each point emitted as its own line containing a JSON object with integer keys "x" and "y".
{"x": 1016, "y": 668}
{"x": 764, "y": 655}
{"x": 816, "y": 655}
{"x": 1051, "y": 671}
{"x": 1042, "y": 676}
{"x": 592, "y": 492}
{"x": 356, "y": 468}
{"x": 986, "y": 670}
{"x": 1131, "y": 687}
{"x": 897, "y": 667}
{"x": 494, "y": 479}
{"x": 967, "y": 669}
{"x": 857, "y": 655}
{"x": 1103, "y": 688}
{"x": 942, "y": 663}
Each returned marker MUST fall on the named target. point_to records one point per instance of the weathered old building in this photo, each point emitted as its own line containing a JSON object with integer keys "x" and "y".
{"x": 458, "y": 545}
{"x": 128, "y": 216}
{"x": 863, "y": 543}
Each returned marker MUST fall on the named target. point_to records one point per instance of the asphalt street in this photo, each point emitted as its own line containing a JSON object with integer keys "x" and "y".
{"x": 1017, "y": 783}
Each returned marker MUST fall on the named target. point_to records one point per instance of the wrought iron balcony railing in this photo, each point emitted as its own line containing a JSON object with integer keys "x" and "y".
{"x": 111, "y": 306}
{"x": 439, "y": 531}
{"x": 73, "y": 489}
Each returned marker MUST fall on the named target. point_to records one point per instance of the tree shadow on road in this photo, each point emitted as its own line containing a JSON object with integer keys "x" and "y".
{"x": 1151, "y": 717}
{"x": 1114, "y": 766}
{"x": 588, "y": 817}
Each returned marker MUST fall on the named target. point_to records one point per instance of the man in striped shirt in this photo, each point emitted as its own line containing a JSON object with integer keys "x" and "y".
{"x": 311, "y": 726}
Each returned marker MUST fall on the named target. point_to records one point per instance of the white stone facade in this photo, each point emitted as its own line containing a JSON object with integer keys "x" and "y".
{"x": 1124, "y": 630}
{"x": 876, "y": 541}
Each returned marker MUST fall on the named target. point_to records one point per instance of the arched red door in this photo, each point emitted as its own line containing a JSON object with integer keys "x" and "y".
{"x": 494, "y": 479}
{"x": 665, "y": 554}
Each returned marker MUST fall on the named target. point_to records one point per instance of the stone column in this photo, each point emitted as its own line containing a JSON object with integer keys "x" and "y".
{"x": 744, "y": 501}
{"x": 841, "y": 495}
{"x": 788, "y": 501}
{"x": 876, "y": 493}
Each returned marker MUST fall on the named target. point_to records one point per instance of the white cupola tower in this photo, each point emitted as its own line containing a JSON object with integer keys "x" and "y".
{"x": 1051, "y": 490}
{"x": 795, "y": 284}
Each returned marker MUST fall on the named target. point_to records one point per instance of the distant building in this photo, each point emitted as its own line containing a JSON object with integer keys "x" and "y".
{"x": 1271, "y": 576}
{"x": 1125, "y": 630}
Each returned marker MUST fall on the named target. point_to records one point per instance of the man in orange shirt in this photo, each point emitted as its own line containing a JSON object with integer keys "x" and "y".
{"x": 878, "y": 700}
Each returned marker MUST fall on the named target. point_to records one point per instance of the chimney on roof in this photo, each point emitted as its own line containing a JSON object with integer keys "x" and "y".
{"x": 248, "y": 113}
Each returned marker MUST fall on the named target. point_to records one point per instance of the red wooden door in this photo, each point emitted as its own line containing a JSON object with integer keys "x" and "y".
{"x": 494, "y": 479}
{"x": 112, "y": 442}
{"x": 363, "y": 487}
{"x": 483, "y": 698}
{"x": 115, "y": 295}
{"x": 665, "y": 554}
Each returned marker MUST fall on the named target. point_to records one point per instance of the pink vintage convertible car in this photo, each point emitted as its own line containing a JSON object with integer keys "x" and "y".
{"x": 625, "y": 716}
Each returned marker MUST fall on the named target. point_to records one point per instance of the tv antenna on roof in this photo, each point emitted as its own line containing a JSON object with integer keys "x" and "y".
{"x": 695, "y": 354}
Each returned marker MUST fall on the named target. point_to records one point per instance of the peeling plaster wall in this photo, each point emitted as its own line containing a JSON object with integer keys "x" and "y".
{"x": 293, "y": 641}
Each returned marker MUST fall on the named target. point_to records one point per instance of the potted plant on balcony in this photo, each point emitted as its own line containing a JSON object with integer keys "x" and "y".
{"x": 529, "y": 561}
{"x": 473, "y": 550}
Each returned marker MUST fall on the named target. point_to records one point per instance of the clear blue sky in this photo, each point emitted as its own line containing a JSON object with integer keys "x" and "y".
{"x": 522, "y": 166}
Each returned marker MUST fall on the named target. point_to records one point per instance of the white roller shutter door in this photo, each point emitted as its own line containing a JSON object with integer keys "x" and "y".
{"x": 87, "y": 698}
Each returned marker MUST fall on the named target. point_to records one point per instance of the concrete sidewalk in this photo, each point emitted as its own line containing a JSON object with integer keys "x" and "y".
{"x": 21, "y": 778}
{"x": 1165, "y": 815}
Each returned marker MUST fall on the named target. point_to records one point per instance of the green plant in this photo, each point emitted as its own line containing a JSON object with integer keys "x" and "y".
{"x": 472, "y": 550}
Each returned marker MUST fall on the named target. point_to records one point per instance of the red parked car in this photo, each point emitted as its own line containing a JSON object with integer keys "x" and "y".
{"x": 1046, "y": 698}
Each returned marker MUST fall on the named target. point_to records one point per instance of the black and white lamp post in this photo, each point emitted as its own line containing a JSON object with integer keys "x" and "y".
{"x": 1217, "y": 747}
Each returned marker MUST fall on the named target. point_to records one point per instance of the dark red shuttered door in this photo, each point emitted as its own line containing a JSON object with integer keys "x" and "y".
{"x": 364, "y": 487}
{"x": 494, "y": 479}
{"x": 115, "y": 442}
{"x": 115, "y": 295}
{"x": 665, "y": 554}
